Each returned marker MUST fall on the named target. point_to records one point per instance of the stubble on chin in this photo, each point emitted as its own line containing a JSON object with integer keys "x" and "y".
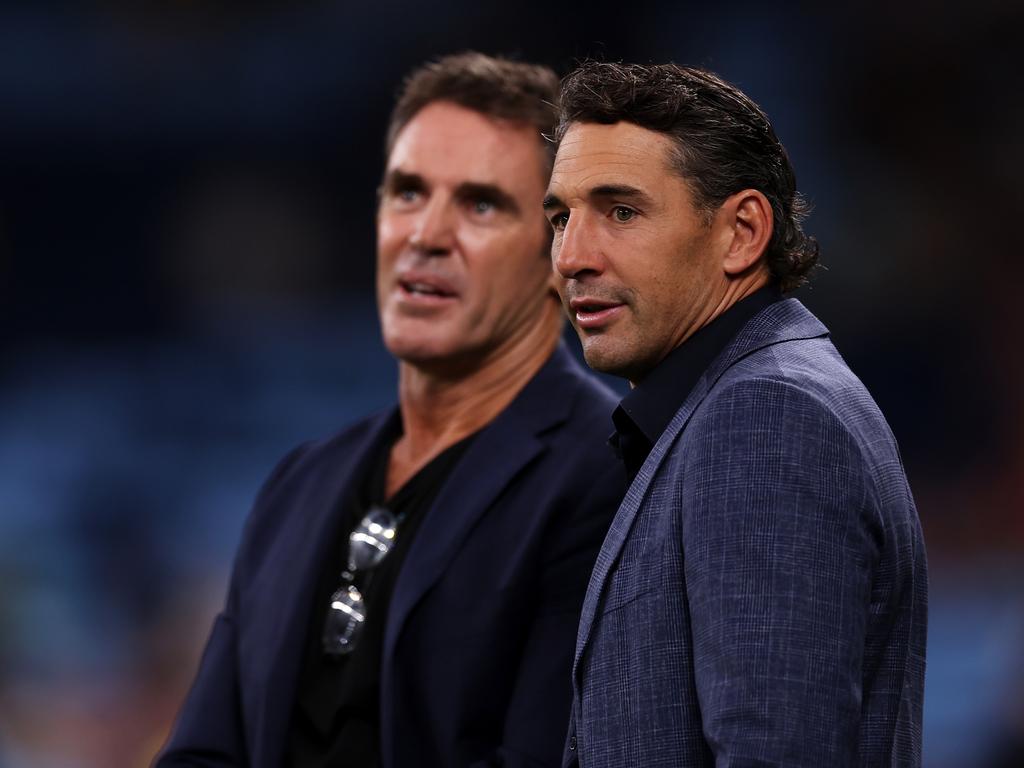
{"x": 600, "y": 354}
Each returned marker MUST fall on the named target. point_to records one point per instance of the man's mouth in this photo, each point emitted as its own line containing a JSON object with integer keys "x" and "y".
{"x": 594, "y": 314}
{"x": 418, "y": 288}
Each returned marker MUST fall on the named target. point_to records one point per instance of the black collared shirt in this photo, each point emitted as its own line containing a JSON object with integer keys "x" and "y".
{"x": 644, "y": 413}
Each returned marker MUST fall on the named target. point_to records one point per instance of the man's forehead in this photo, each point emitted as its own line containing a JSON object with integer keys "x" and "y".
{"x": 448, "y": 143}
{"x": 451, "y": 129}
{"x": 617, "y": 154}
{"x": 616, "y": 143}
{"x": 412, "y": 171}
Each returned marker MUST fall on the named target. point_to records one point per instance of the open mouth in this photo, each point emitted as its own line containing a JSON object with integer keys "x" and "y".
{"x": 594, "y": 314}
{"x": 424, "y": 289}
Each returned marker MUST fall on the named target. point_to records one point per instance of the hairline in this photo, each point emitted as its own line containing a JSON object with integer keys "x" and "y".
{"x": 544, "y": 145}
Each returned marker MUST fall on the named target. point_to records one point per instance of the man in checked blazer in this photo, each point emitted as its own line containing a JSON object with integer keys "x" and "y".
{"x": 761, "y": 597}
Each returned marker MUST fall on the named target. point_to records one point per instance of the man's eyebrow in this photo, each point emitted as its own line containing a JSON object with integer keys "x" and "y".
{"x": 552, "y": 201}
{"x": 397, "y": 179}
{"x": 474, "y": 190}
{"x": 620, "y": 191}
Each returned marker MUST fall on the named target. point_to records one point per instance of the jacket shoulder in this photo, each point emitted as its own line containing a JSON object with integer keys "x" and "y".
{"x": 305, "y": 465}
{"x": 589, "y": 402}
{"x": 312, "y": 454}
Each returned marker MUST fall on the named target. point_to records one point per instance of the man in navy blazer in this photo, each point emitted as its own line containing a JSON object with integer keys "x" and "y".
{"x": 760, "y": 599}
{"x": 407, "y": 592}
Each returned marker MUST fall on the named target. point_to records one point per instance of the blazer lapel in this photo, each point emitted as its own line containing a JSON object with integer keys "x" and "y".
{"x": 786, "y": 320}
{"x": 289, "y": 581}
{"x": 618, "y": 533}
{"x": 497, "y": 454}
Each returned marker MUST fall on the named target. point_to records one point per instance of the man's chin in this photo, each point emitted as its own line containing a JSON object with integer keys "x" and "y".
{"x": 415, "y": 353}
{"x": 413, "y": 341}
{"x": 436, "y": 359}
{"x": 409, "y": 347}
{"x": 601, "y": 357}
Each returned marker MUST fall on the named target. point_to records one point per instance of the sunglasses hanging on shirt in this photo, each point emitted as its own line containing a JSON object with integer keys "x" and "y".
{"x": 368, "y": 543}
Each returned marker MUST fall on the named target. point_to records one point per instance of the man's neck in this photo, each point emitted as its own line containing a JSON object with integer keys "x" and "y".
{"x": 730, "y": 292}
{"x": 738, "y": 289}
{"x": 439, "y": 410}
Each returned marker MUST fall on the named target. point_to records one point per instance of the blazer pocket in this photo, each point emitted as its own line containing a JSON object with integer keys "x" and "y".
{"x": 616, "y": 602}
{"x": 632, "y": 581}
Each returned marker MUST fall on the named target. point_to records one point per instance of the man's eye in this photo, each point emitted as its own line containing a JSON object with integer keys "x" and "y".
{"x": 408, "y": 195}
{"x": 482, "y": 206}
{"x": 623, "y": 214}
{"x": 558, "y": 221}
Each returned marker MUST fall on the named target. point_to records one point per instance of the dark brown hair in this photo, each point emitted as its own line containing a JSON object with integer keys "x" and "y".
{"x": 724, "y": 143}
{"x": 495, "y": 87}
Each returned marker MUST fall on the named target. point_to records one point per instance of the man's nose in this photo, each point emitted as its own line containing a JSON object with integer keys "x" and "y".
{"x": 575, "y": 251}
{"x": 434, "y": 231}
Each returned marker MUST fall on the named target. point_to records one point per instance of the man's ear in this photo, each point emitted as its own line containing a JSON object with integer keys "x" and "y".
{"x": 748, "y": 219}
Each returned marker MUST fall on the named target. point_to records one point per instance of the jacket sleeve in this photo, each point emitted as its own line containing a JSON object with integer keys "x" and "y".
{"x": 537, "y": 717}
{"x": 209, "y": 731}
{"x": 780, "y": 539}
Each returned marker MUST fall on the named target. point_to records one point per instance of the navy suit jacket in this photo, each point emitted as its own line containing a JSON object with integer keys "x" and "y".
{"x": 760, "y": 599}
{"x": 481, "y": 625}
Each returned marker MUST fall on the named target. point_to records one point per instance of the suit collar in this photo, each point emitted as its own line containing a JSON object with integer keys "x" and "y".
{"x": 498, "y": 453}
{"x": 782, "y": 321}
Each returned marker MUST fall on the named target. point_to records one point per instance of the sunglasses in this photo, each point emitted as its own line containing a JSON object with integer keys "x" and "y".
{"x": 368, "y": 543}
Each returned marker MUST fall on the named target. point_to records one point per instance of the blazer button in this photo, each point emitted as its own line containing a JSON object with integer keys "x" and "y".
{"x": 572, "y": 743}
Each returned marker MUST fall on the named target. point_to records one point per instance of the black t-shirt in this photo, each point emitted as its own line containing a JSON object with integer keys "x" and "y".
{"x": 335, "y": 720}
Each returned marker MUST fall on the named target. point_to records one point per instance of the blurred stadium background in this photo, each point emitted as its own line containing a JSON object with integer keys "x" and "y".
{"x": 187, "y": 197}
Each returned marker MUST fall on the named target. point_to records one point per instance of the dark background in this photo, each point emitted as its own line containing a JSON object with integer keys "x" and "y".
{"x": 187, "y": 198}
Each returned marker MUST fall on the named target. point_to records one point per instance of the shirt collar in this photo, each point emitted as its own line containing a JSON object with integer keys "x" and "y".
{"x": 645, "y": 412}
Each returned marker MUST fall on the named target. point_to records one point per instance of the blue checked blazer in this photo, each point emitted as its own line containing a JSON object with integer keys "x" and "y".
{"x": 761, "y": 597}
